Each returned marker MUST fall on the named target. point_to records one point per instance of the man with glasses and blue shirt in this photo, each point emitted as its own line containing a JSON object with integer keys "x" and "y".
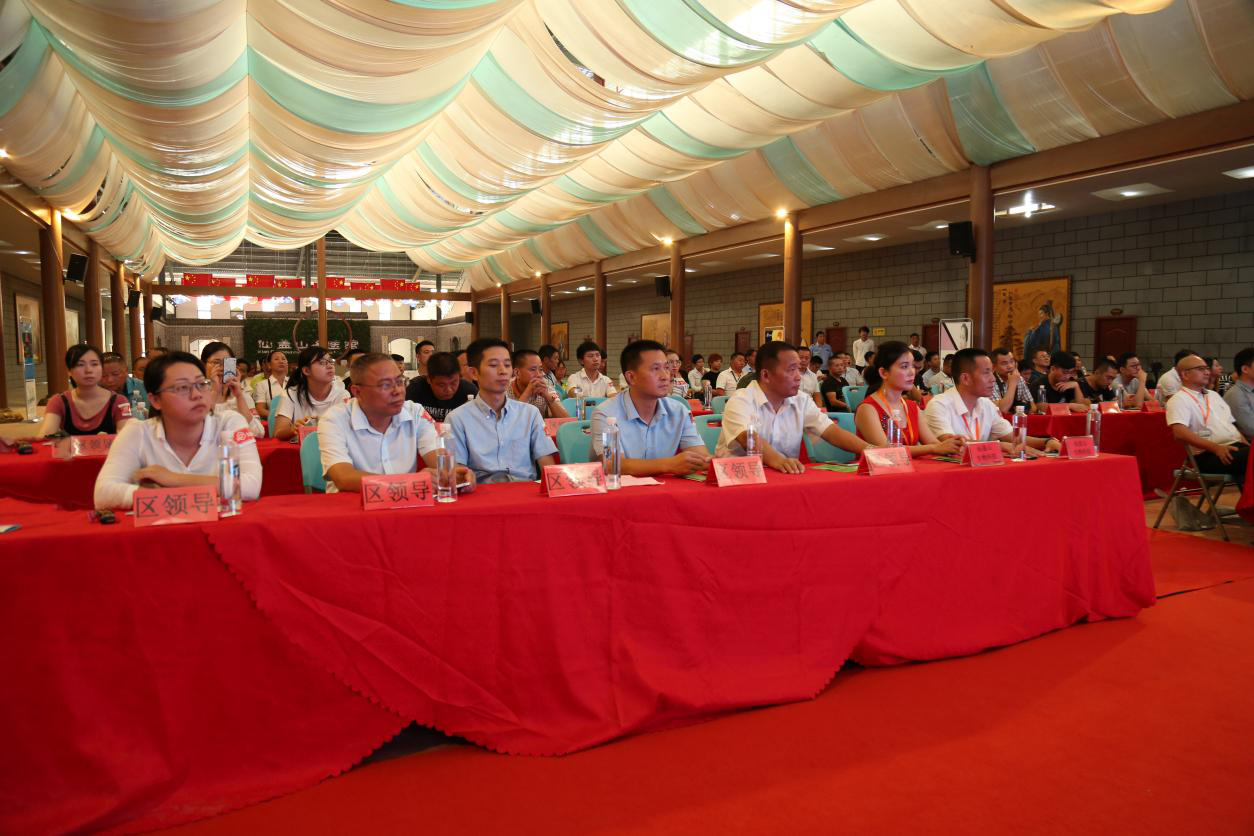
{"x": 378, "y": 431}
{"x": 655, "y": 431}
{"x": 500, "y": 439}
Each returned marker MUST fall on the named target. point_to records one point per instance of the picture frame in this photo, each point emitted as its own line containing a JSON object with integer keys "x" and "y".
{"x": 559, "y": 336}
{"x": 771, "y": 321}
{"x": 1031, "y": 314}
{"x": 656, "y": 327}
{"x": 27, "y": 310}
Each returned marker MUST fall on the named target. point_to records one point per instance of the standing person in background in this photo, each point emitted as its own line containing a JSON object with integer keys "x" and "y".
{"x": 915, "y": 345}
{"x": 86, "y": 408}
{"x": 274, "y": 384}
{"x": 820, "y": 349}
{"x": 861, "y": 346}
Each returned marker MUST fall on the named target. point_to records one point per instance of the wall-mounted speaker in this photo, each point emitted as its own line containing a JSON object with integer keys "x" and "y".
{"x": 962, "y": 239}
{"x": 158, "y": 313}
{"x": 535, "y": 306}
{"x": 470, "y": 318}
{"x": 132, "y": 298}
{"x": 76, "y": 268}
{"x": 663, "y": 285}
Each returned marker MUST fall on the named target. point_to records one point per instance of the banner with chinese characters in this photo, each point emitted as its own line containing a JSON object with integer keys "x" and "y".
{"x": 263, "y": 335}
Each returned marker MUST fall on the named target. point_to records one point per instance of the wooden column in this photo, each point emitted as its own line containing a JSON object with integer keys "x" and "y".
{"x": 600, "y": 317}
{"x": 91, "y": 293}
{"x": 475, "y": 314}
{"x": 505, "y": 313}
{"x": 980, "y": 271}
{"x": 322, "y": 291}
{"x": 53, "y": 286}
{"x": 677, "y": 299}
{"x": 150, "y": 336}
{"x": 792, "y": 282}
{"x": 117, "y": 300}
{"x": 132, "y": 318}
{"x": 546, "y": 310}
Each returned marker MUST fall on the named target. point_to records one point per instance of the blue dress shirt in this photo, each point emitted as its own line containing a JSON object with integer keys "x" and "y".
{"x": 670, "y": 431}
{"x": 499, "y": 446}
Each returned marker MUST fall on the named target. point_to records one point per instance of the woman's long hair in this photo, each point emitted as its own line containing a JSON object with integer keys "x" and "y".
{"x": 885, "y": 356}
{"x": 300, "y": 380}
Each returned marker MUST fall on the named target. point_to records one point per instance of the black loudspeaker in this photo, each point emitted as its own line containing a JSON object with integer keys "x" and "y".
{"x": 962, "y": 239}
{"x": 535, "y": 306}
{"x": 663, "y": 285}
{"x": 76, "y": 269}
{"x": 470, "y": 318}
{"x": 132, "y": 298}
{"x": 158, "y": 313}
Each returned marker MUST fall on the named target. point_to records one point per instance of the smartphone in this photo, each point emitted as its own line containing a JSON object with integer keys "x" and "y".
{"x": 228, "y": 368}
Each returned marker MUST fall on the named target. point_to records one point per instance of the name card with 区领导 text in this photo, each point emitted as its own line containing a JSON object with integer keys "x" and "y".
{"x": 397, "y": 490}
{"x": 573, "y": 479}
{"x": 304, "y": 431}
{"x": 83, "y": 446}
{"x": 982, "y": 454}
{"x": 551, "y": 425}
{"x": 171, "y": 506}
{"x": 736, "y": 470}
{"x": 1057, "y": 409}
{"x": 1109, "y": 407}
{"x": 880, "y": 461}
{"x": 1078, "y": 447}
{"x": 1151, "y": 406}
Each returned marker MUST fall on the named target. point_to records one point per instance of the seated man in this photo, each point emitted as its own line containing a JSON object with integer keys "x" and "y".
{"x": 113, "y": 377}
{"x": 933, "y": 375}
{"x": 1009, "y": 389}
{"x": 549, "y": 358}
{"x": 1200, "y": 418}
{"x": 1060, "y": 385}
{"x": 378, "y": 431}
{"x": 1131, "y": 378}
{"x": 729, "y": 379}
{"x": 853, "y": 377}
{"x": 1240, "y": 396}
{"x": 696, "y": 376}
{"x": 442, "y": 389}
{"x": 1040, "y": 370}
{"x": 966, "y": 412}
{"x": 1096, "y": 385}
{"x": 809, "y": 380}
{"x": 499, "y": 439}
{"x": 1169, "y": 383}
{"x": 655, "y": 431}
{"x": 531, "y": 385}
{"x": 591, "y": 381}
{"x": 832, "y": 389}
{"x": 781, "y": 413}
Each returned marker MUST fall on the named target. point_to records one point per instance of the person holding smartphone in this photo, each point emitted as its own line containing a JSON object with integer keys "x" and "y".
{"x": 228, "y": 393}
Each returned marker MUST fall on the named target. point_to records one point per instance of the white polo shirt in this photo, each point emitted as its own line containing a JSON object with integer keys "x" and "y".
{"x": 268, "y": 389}
{"x": 345, "y": 436}
{"x": 294, "y": 409}
{"x": 1168, "y": 384}
{"x": 947, "y": 414}
{"x": 728, "y": 380}
{"x": 143, "y": 443}
{"x": 809, "y": 383}
{"x": 782, "y": 429}
{"x": 1203, "y": 412}
{"x": 602, "y": 387}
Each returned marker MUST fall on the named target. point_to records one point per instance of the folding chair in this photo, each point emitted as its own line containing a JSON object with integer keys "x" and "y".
{"x": 854, "y": 395}
{"x": 1207, "y": 502}
{"x": 709, "y": 434}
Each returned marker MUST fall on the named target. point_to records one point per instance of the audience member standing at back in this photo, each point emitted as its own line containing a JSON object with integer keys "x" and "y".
{"x": 861, "y": 346}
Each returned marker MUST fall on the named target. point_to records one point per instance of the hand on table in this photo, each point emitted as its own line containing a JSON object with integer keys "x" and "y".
{"x": 156, "y": 474}
{"x": 688, "y": 461}
{"x": 464, "y": 475}
{"x": 950, "y": 445}
{"x": 782, "y": 463}
{"x": 1053, "y": 445}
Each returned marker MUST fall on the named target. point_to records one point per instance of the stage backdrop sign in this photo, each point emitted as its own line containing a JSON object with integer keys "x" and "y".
{"x": 261, "y": 336}
{"x": 1032, "y": 314}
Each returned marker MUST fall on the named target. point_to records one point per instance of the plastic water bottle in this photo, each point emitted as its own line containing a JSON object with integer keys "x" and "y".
{"x": 139, "y": 407}
{"x": 445, "y": 467}
{"x": 1020, "y": 425}
{"x": 707, "y": 394}
{"x": 895, "y": 435}
{"x": 611, "y": 454}
{"x": 580, "y": 409}
{"x": 230, "y": 500}
{"x": 1040, "y": 397}
{"x": 752, "y": 448}
{"x": 1120, "y": 393}
{"x": 1094, "y": 425}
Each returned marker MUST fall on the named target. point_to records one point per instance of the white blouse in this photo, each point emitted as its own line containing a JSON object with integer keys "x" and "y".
{"x": 143, "y": 443}
{"x": 295, "y": 409}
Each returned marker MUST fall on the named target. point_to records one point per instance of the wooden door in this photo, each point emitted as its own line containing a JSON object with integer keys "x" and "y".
{"x": 931, "y": 337}
{"x": 837, "y": 339}
{"x": 1114, "y": 335}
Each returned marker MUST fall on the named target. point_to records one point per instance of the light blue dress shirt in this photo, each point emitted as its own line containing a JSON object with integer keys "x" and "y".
{"x": 499, "y": 446}
{"x": 670, "y": 431}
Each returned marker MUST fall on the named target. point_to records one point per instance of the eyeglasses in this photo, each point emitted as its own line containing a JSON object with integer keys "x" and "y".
{"x": 325, "y": 363}
{"x": 388, "y": 386}
{"x": 184, "y": 390}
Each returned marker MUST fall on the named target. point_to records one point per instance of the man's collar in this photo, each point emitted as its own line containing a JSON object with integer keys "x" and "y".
{"x": 487, "y": 409}
{"x": 358, "y": 421}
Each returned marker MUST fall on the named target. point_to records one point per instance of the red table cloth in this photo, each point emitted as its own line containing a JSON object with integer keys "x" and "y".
{"x": 157, "y": 675}
{"x": 39, "y": 477}
{"x": 1144, "y": 435}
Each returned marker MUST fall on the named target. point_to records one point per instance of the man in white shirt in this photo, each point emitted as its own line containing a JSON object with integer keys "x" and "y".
{"x": 852, "y": 376}
{"x": 781, "y": 412}
{"x": 695, "y": 375}
{"x": 861, "y": 346}
{"x": 933, "y": 375}
{"x": 915, "y": 345}
{"x": 378, "y": 432}
{"x": 1170, "y": 382}
{"x": 590, "y": 381}
{"x": 1200, "y": 418}
{"x": 809, "y": 380}
{"x": 1132, "y": 379}
{"x": 729, "y": 378}
{"x": 966, "y": 411}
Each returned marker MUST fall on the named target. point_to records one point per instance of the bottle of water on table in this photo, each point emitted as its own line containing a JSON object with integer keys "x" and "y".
{"x": 574, "y": 392}
{"x": 894, "y": 429}
{"x": 1040, "y": 397}
{"x": 230, "y": 499}
{"x": 1020, "y": 425}
{"x": 445, "y": 467}
{"x": 707, "y": 394}
{"x": 611, "y": 454}
{"x": 1120, "y": 393}
{"x": 1094, "y": 423}
{"x": 752, "y": 448}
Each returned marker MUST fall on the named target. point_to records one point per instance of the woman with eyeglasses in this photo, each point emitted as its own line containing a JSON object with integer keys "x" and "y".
{"x": 886, "y": 405}
{"x": 312, "y": 391}
{"x": 88, "y": 408}
{"x": 178, "y": 445}
{"x": 229, "y": 394}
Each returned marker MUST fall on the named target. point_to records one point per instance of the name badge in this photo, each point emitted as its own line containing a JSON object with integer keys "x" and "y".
{"x": 736, "y": 470}
{"x": 1109, "y": 407}
{"x": 1151, "y": 406}
{"x": 982, "y": 454}
{"x": 1204, "y": 432}
{"x": 304, "y": 431}
{"x": 880, "y": 461}
{"x": 83, "y": 446}
{"x": 572, "y": 479}
{"x": 1078, "y": 447}
{"x": 171, "y": 506}
{"x": 551, "y": 425}
{"x": 1058, "y": 409}
{"x": 397, "y": 490}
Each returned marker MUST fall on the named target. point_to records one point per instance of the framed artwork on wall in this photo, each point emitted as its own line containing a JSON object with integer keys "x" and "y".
{"x": 771, "y": 321}
{"x": 656, "y": 327}
{"x": 72, "y": 335}
{"x": 1032, "y": 314}
{"x": 29, "y": 322}
{"x": 559, "y": 333}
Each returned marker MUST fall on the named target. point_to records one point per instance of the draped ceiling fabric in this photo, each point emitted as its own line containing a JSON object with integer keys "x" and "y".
{"x": 503, "y": 137}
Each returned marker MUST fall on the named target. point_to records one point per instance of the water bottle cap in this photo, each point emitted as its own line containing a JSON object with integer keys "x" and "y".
{"x": 612, "y": 421}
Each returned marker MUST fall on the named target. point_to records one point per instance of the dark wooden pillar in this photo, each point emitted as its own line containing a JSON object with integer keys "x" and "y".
{"x": 53, "y": 287}
{"x": 132, "y": 318}
{"x": 677, "y": 299}
{"x": 980, "y": 271}
{"x": 322, "y": 292}
{"x": 475, "y": 313}
{"x": 117, "y": 301}
{"x": 91, "y": 294}
{"x": 792, "y": 282}
{"x": 546, "y": 310}
{"x": 150, "y": 335}
{"x": 600, "y": 315}
{"x": 505, "y": 313}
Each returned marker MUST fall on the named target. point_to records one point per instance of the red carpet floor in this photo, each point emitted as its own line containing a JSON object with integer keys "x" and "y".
{"x": 1141, "y": 726}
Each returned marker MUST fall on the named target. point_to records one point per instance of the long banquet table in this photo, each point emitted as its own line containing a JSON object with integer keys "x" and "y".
{"x": 1144, "y": 435}
{"x": 159, "y": 675}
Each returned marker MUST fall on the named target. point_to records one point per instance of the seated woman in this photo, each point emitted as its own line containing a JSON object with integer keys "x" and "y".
{"x": 312, "y": 391}
{"x": 893, "y": 377}
{"x": 179, "y": 445}
{"x": 229, "y": 394}
{"x": 87, "y": 408}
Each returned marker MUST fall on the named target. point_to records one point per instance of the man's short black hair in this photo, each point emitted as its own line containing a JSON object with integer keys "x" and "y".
{"x": 864, "y": 328}
{"x": 418, "y": 347}
{"x": 585, "y": 347}
{"x": 696, "y": 358}
{"x": 347, "y": 355}
{"x": 521, "y": 354}
{"x": 1064, "y": 360}
{"x": 1123, "y": 359}
{"x": 1244, "y": 358}
{"x": 914, "y": 335}
{"x": 629, "y": 360}
{"x": 998, "y": 353}
{"x": 474, "y": 351}
{"x": 931, "y": 354}
{"x": 546, "y": 351}
{"x": 736, "y": 354}
{"x": 965, "y": 361}
{"x": 918, "y": 355}
{"x": 1026, "y": 366}
{"x": 768, "y": 354}
{"x": 398, "y": 358}
{"x": 443, "y": 364}
{"x": 1102, "y": 363}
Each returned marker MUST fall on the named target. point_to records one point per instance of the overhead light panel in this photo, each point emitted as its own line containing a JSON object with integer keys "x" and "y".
{"x": 1130, "y": 192}
{"x": 1237, "y": 173}
{"x": 870, "y": 236}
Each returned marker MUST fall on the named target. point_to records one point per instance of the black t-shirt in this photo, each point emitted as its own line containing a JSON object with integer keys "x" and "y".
{"x": 419, "y": 391}
{"x": 711, "y": 378}
{"x": 1052, "y": 395}
{"x": 833, "y": 384}
{"x": 1093, "y": 394}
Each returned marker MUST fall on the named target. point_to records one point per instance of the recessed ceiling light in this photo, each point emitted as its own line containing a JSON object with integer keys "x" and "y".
{"x": 581, "y": 288}
{"x": 781, "y": 213}
{"x": 815, "y": 247}
{"x": 1130, "y": 191}
{"x": 609, "y": 284}
{"x": 762, "y": 255}
{"x": 1241, "y": 173}
{"x": 629, "y": 281}
{"x": 870, "y": 236}
{"x": 735, "y": 216}
{"x": 689, "y": 270}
